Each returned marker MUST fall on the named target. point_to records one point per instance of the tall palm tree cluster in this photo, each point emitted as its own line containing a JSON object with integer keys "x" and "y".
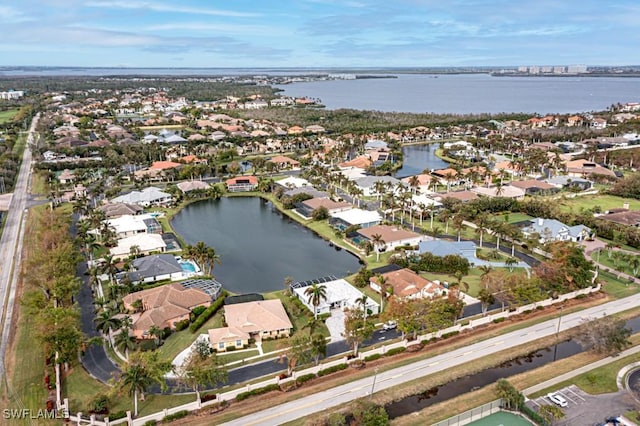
{"x": 205, "y": 256}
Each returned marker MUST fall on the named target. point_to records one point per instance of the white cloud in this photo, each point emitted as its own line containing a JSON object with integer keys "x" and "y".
{"x": 159, "y": 7}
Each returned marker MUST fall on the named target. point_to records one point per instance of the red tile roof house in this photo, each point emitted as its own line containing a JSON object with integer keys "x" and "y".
{"x": 284, "y": 162}
{"x": 262, "y": 319}
{"x": 242, "y": 184}
{"x": 163, "y": 306}
{"x": 407, "y": 284}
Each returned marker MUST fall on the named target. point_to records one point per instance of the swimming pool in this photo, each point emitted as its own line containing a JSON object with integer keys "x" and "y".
{"x": 187, "y": 266}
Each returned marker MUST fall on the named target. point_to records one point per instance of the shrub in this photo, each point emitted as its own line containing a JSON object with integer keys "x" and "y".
{"x": 208, "y": 397}
{"x": 531, "y": 414}
{"x": 150, "y": 423}
{"x": 331, "y": 369}
{"x": 197, "y": 311}
{"x": 100, "y": 404}
{"x": 450, "y": 334}
{"x": 498, "y": 320}
{"x": 581, "y": 296}
{"x": 269, "y": 388}
{"x": 527, "y": 311}
{"x": 117, "y": 415}
{"x": 540, "y": 308}
{"x": 148, "y": 344}
{"x": 231, "y": 348}
{"x": 181, "y": 325}
{"x": 305, "y": 378}
{"x": 208, "y": 313}
{"x": 175, "y": 416}
{"x": 372, "y": 357}
{"x": 395, "y": 351}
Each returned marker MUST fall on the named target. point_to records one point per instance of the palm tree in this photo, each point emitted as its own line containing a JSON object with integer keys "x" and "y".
{"x": 210, "y": 259}
{"x": 378, "y": 242}
{"x": 106, "y": 323}
{"x": 385, "y": 289}
{"x": 157, "y": 334}
{"x": 414, "y": 182}
{"x": 136, "y": 379}
{"x": 109, "y": 267}
{"x": 363, "y": 301}
{"x": 458, "y": 224}
{"x": 482, "y": 221}
{"x": 125, "y": 342}
{"x": 315, "y": 295}
{"x": 511, "y": 262}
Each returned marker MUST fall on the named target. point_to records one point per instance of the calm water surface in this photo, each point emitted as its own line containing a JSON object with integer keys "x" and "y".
{"x": 259, "y": 247}
{"x": 472, "y": 93}
{"x": 417, "y": 158}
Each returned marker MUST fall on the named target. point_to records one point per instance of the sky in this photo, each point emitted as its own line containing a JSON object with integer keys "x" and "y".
{"x": 318, "y": 33}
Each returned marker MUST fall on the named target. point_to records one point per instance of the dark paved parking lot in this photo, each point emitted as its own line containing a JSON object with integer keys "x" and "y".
{"x": 588, "y": 410}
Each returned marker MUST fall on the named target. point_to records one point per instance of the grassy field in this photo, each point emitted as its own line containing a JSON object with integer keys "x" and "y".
{"x": 607, "y": 261}
{"x": 6, "y": 116}
{"x": 81, "y": 389}
{"x": 605, "y": 202}
{"x": 18, "y": 148}
{"x": 514, "y": 217}
{"x": 615, "y": 287}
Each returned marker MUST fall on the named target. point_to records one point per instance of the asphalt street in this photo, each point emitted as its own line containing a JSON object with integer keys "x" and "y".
{"x": 324, "y": 401}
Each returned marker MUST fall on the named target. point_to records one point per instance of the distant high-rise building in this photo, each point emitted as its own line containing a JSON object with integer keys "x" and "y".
{"x": 523, "y": 69}
{"x": 558, "y": 69}
{"x": 534, "y": 69}
{"x": 546, "y": 69}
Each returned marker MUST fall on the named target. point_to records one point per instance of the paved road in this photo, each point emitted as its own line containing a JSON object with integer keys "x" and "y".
{"x": 324, "y": 401}
{"x": 11, "y": 244}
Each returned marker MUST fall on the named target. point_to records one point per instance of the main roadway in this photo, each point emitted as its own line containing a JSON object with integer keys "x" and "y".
{"x": 326, "y": 400}
{"x": 11, "y": 245}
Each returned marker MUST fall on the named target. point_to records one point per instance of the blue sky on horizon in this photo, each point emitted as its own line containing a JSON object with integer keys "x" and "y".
{"x": 318, "y": 33}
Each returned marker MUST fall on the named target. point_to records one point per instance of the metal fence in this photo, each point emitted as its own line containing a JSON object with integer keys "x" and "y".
{"x": 472, "y": 415}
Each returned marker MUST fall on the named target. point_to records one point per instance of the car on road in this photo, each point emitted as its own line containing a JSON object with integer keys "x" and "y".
{"x": 389, "y": 325}
{"x": 557, "y": 399}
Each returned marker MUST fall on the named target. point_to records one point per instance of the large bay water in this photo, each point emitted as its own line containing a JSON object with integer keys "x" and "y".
{"x": 258, "y": 246}
{"x": 471, "y": 93}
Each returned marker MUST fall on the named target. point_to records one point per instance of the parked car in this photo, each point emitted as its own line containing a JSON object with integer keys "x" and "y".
{"x": 557, "y": 399}
{"x": 389, "y": 325}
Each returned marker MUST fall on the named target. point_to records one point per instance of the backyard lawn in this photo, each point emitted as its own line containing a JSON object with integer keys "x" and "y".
{"x": 605, "y": 202}
{"x": 514, "y": 217}
{"x": 619, "y": 264}
{"x": 6, "y": 116}
{"x": 616, "y": 288}
{"x": 180, "y": 340}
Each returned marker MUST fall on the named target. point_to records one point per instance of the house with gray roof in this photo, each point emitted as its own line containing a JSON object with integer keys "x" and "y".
{"x": 375, "y": 145}
{"x": 554, "y": 230}
{"x": 570, "y": 182}
{"x": 367, "y": 183}
{"x": 157, "y": 267}
{"x": 147, "y": 197}
{"x": 441, "y": 248}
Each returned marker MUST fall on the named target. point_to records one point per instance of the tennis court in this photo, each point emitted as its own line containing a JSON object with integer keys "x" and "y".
{"x": 502, "y": 419}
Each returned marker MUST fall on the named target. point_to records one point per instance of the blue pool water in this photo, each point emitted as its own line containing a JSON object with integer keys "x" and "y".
{"x": 187, "y": 266}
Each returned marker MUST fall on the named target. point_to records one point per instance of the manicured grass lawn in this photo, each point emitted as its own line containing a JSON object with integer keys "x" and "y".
{"x": 615, "y": 287}
{"x": 491, "y": 254}
{"x": 26, "y": 376}
{"x": 473, "y": 279}
{"x": 605, "y": 202}
{"x": 180, "y": 340}
{"x": 610, "y": 263}
{"x": 6, "y": 116}
{"x": 39, "y": 186}
{"x": 514, "y": 217}
{"x": 81, "y": 388}
{"x": 227, "y": 357}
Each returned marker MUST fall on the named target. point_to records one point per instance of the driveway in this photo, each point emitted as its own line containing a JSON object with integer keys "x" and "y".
{"x": 335, "y": 324}
{"x": 586, "y": 409}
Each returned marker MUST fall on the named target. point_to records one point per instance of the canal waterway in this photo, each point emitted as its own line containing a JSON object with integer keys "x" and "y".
{"x": 486, "y": 377}
{"x": 258, "y": 246}
{"x": 418, "y": 158}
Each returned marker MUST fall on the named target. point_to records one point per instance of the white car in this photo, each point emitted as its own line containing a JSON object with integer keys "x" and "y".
{"x": 557, "y": 399}
{"x": 389, "y": 325}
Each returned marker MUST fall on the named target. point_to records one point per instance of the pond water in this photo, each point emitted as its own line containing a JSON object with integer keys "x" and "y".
{"x": 417, "y": 158}
{"x": 258, "y": 246}
{"x": 491, "y": 375}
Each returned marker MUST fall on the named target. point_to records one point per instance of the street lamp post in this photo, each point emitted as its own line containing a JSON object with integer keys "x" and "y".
{"x": 559, "y": 321}
{"x": 375, "y": 374}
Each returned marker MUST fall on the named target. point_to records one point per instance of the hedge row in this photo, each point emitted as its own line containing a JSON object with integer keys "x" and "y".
{"x": 244, "y": 395}
{"x": 175, "y": 416}
{"x": 450, "y": 334}
{"x": 332, "y": 369}
{"x": 305, "y": 378}
{"x": 533, "y": 415}
{"x": 372, "y": 357}
{"x": 208, "y": 313}
{"x": 395, "y": 351}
